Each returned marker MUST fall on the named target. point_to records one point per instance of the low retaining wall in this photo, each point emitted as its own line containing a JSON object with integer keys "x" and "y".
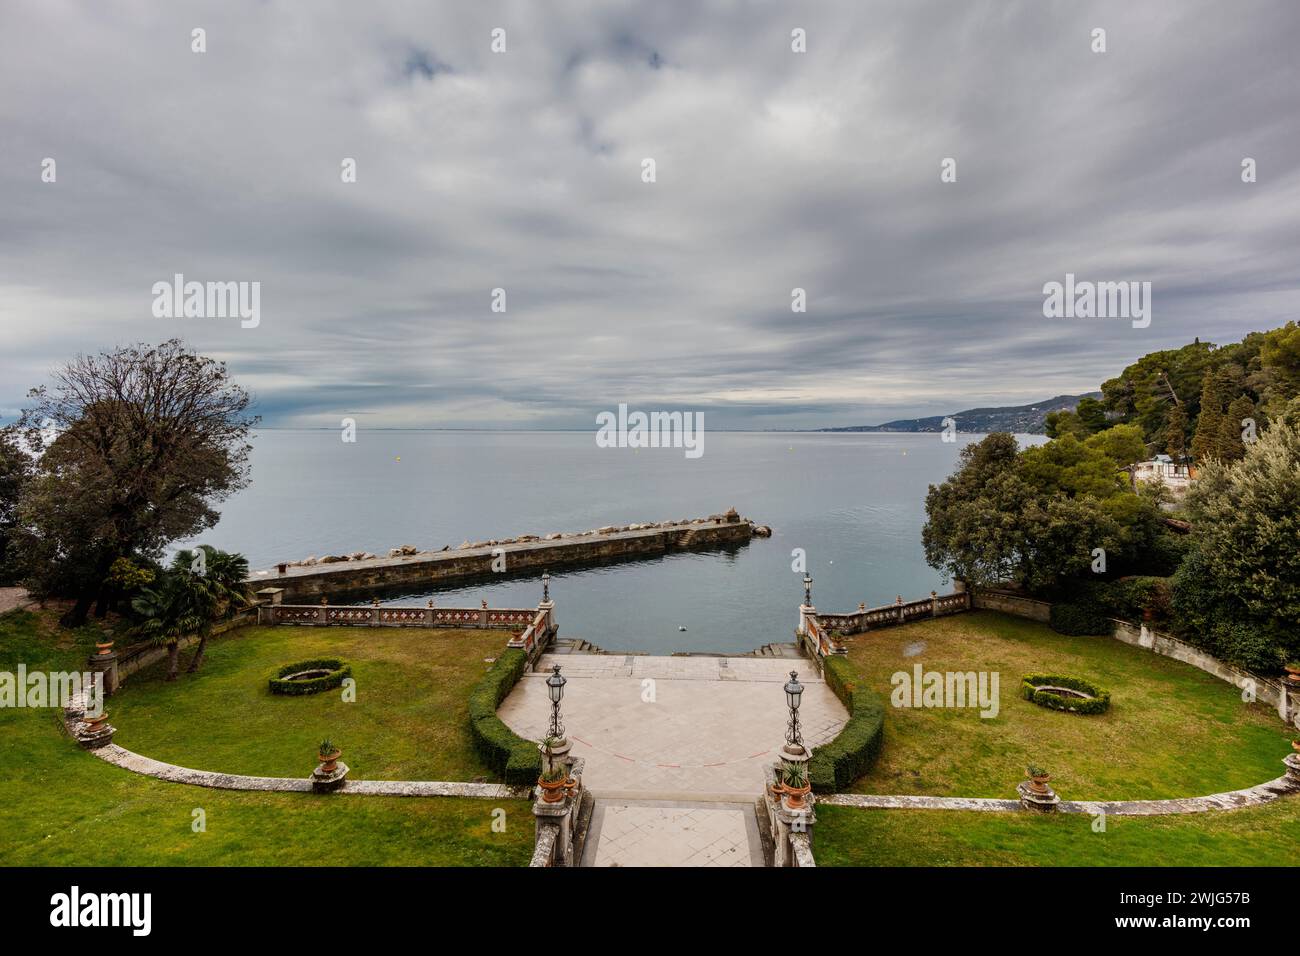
{"x": 1267, "y": 690}
{"x": 139, "y": 656}
{"x": 990, "y": 599}
{"x": 433, "y": 569}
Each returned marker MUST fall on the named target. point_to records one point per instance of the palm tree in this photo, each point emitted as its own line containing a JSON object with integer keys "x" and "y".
{"x": 225, "y": 595}
{"x": 190, "y": 597}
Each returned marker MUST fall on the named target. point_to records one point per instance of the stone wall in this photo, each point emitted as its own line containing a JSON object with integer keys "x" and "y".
{"x": 1266, "y": 690}
{"x": 137, "y": 657}
{"x": 431, "y": 569}
{"x": 1011, "y": 603}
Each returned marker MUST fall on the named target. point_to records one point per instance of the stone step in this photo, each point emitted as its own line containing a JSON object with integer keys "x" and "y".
{"x": 644, "y": 832}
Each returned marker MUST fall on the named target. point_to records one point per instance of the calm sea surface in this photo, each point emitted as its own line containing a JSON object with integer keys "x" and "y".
{"x": 853, "y": 502}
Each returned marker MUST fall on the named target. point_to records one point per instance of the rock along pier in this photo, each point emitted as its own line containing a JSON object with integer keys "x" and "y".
{"x": 304, "y": 583}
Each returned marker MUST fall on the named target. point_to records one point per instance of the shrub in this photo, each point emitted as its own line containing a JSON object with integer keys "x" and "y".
{"x": 1131, "y": 598}
{"x": 1218, "y": 622}
{"x": 835, "y": 765}
{"x": 338, "y": 672}
{"x": 1069, "y": 618}
{"x": 517, "y": 760}
{"x": 1032, "y": 689}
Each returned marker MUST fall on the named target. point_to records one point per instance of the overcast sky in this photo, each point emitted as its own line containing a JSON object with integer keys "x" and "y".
{"x": 523, "y": 170}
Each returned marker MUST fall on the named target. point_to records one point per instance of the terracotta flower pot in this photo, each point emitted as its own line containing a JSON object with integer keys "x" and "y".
{"x": 330, "y": 762}
{"x": 104, "y": 648}
{"x": 1039, "y": 783}
{"x": 1295, "y": 745}
{"x": 97, "y": 722}
{"x": 795, "y": 795}
{"x": 552, "y": 792}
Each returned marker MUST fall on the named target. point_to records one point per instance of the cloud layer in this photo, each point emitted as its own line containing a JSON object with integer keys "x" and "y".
{"x": 522, "y": 171}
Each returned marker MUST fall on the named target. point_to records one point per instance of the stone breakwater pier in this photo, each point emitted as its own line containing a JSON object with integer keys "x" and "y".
{"x": 409, "y": 568}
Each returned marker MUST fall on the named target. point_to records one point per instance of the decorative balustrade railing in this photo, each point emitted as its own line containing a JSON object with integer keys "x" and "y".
{"x": 900, "y": 612}
{"x": 504, "y": 619}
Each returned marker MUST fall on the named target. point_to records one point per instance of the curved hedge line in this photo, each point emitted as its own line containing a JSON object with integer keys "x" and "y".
{"x": 835, "y": 765}
{"x": 1098, "y": 704}
{"x": 518, "y": 761}
{"x": 338, "y": 672}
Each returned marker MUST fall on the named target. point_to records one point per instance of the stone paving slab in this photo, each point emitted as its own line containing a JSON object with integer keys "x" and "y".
{"x": 668, "y": 833}
{"x": 686, "y": 726}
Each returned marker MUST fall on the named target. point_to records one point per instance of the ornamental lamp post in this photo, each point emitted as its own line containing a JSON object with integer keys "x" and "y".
{"x": 793, "y": 736}
{"x": 555, "y": 688}
{"x": 546, "y": 586}
{"x": 807, "y": 589}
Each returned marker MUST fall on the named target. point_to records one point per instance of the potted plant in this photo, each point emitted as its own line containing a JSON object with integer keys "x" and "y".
{"x": 552, "y": 783}
{"x": 104, "y": 647}
{"x": 1292, "y": 669}
{"x": 329, "y": 756}
{"x": 95, "y": 723}
{"x": 795, "y": 785}
{"x": 1039, "y": 778}
{"x": 1295, "y": 745}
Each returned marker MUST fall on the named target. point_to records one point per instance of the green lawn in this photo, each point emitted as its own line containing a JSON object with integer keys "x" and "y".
{"x": 410, "y": 720}
{"x": 1172, "y": 730}
{"x": 62, "y": 806}
{"x": 1260, "y": 836}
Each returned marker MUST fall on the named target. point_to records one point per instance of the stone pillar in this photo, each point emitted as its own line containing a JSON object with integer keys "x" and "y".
{"x": 270, "y": 598}
{"x": 934, "y": 603}
{"x": 105, "y": 663}
{"x": 898, "y": 603}
{"x": 560, "y": 817}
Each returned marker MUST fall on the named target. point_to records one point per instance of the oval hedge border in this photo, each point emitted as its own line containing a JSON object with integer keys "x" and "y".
{"x": 1034, "y": 688}
{"x": 338, "y": 672}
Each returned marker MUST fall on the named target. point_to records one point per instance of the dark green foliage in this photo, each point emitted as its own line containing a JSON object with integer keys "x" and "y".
{"x": 1078, "y": 619}
{"x": 1098, "y": 704}
{"x": 1134, "y": 599}
{"x": 338, "y": 672}
{"x": 835, "y": 765}
{"x": 517, "y": 760}
{"x": 1211, "y": 617}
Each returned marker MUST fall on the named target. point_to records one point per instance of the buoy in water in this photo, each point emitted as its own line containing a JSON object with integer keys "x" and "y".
{"x": 681, "y": 627}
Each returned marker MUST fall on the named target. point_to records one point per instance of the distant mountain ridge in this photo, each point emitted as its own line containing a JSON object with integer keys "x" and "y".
{"x": 1021, "y": 419}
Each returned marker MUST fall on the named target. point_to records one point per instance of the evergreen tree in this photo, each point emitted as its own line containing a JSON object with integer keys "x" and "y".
{"x": 1176, "y": 433}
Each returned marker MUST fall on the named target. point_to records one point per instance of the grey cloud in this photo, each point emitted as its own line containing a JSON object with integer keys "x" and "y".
{"x": 522, "y": 171}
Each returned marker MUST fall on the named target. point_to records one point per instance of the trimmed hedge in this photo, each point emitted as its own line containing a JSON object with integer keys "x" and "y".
{"x": 835, "y": 765}
{"x": 338, "y": 672}
{"x": 1030, "y": 690}
{"x": 1080, "y": 619}
{"x": 518, "y": 761}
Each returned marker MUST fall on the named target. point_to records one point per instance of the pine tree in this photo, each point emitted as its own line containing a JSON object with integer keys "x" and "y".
{"x": 1176, "y": 433}
{"x": 1231, "y": 445}
{"x": 1209, "y": 425}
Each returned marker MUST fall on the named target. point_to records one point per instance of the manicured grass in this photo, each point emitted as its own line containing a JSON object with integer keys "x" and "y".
{"x": 62, "y": 806}
{"x": 1171, "y": 731}
{"x": 410, "y": 719}
{"x": 1260, "y": 836}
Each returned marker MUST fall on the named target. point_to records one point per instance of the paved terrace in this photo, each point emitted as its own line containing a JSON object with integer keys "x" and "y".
{"x": 674, "y": 728}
